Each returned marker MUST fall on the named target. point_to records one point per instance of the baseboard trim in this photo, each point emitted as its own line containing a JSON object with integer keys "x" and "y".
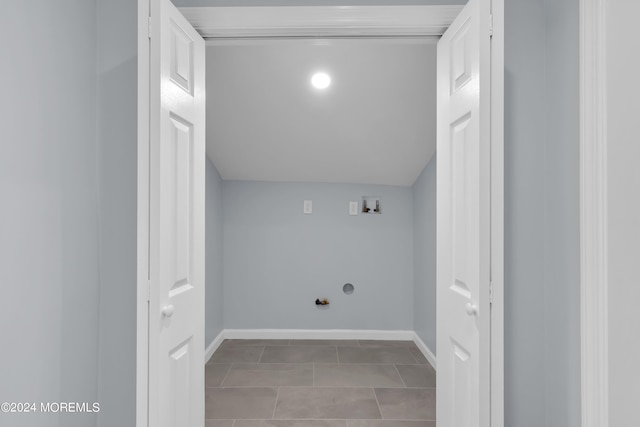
{"x": 319, "y": 334}
{"x": 211, "y": 348}
{"x": 425, "y": 350}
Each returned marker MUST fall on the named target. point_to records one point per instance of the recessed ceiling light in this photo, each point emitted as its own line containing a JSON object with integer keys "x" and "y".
{"x": 321, "y": 80}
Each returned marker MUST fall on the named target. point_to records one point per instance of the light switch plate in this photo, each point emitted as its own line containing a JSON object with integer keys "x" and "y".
{"x": 308, "y": 207}
{"x": 353, "y": 208}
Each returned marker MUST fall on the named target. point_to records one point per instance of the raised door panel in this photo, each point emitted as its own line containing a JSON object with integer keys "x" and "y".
{"x": 179, "y": 178}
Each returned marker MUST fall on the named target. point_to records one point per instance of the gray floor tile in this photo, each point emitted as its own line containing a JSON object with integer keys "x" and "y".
{"x": 387, "y": 343}
{"x": 237, "y": 354}
{"x": 291, "y": 423}
{"x": 375, "y": 355}
{"x": 417, "y": 375}
{"x": 240, "y": 403}
{"x": 269, "y": 375}
{"x": 407, "y": 403}
{"x": 243, "y": 375}
{"x": 254, "y": 342}
{"x": 323, "y": 403}
{"x": 354, "y": 375}
{"x": 300, "y": 354}
{"x": 214, "y": 373}
{"x": 347, "y": 343}
{"x": 419, "y": 356}
{"x": 388, "y": 423}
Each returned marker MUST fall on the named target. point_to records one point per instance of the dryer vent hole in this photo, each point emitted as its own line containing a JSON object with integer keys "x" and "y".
{"x": 348, "y": 288}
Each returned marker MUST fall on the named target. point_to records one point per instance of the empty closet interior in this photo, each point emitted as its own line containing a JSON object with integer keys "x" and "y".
{"x": 320, "y": 185}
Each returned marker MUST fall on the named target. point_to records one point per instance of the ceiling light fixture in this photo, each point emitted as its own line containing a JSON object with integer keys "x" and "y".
{"x": 321, "y": 80}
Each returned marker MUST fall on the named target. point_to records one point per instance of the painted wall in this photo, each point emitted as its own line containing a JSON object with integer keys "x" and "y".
{"x": 278, "y": 261}
{"x": 623, "y": 104}
{"x": 524, "y": 213}
{"x": 424, "y": 255}
{"x": 561, "y": 215}
{"x": 214, "y": 289}
{"x": 48, "y": 220}
{"x": 117, "y": 169}
{"x": 542, "y": 329}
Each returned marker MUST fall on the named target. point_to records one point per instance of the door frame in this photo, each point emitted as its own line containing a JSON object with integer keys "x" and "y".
{"x": 593, "y": 216}
{"x": 143, "y": 220}
{"x": 325, "y": 21}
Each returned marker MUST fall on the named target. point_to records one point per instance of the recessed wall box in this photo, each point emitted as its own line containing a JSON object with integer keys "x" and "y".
{"x": 371, "y": 205}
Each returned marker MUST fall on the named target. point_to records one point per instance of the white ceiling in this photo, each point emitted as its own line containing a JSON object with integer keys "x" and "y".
{"x": 375, "y": 124}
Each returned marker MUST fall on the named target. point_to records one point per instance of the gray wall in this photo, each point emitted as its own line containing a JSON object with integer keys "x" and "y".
{"x": 117, "y": 168}
{"x": 561, "y": 215}
{"x": 542, "y": 351}
{"x": 214, "y": 290}
{"x": 278, "y": 261}
{"x": 524, "y": 213}
{"x": 424, "y": 255}
{"x": 48, "y": 219}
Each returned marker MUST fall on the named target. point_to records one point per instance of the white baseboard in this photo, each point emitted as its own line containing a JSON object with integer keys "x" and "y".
{"x": 211, "y": 348}
{"x": 318, "y": 334}
{"x": 425, "y": 350}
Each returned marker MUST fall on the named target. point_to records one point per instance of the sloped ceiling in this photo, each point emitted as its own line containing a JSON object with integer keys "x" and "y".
{"x": 375, "y": 124}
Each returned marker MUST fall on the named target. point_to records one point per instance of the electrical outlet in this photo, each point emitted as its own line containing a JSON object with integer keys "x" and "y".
{"x": 353, "y": 208}
{"x": 308, "y": 207}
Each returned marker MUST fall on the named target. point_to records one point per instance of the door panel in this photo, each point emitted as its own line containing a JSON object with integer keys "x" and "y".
{"x": 181, "y": 363}
{"x": 462, "y": 382}
{"x": 181, "y": 57}
{"x": 463, "y": 220}
{"x": 176, "y": 262}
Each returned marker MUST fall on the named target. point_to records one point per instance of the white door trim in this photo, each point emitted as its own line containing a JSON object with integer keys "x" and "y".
{"x": 497, "y": 214}
{"x": 320, "y": 21}
{"x": 593, "y": 215}
{"x": 330, "y": 21}
{"x": 142, "y": 304}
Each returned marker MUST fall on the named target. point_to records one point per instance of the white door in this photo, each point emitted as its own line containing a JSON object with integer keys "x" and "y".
{"x": 463, "y": 220}
{"x": 176, "y": 234}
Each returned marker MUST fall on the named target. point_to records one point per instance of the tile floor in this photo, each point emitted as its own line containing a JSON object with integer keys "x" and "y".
{"x": 319, "y": 383}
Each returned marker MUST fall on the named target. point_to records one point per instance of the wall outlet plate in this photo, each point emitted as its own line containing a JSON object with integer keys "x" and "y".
{"x": 353, "y": 208}
{"x": 308, "y": 207}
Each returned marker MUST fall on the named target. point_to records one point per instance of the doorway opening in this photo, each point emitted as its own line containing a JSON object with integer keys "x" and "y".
{"x": 469, "y": 97}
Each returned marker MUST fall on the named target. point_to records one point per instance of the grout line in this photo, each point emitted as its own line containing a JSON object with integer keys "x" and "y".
{"x": 313, "y": 377}
{"x": 338, "y": 355}
{"x": 225, "y": 375}
{"x": 234, "y": 423}
{"x": 275, "y": 405}
{"x": 377, "y": 402}
{"x": 401, "y": 379}
{"x": 261, "y": 354}
{"x": 414, "y": 358}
